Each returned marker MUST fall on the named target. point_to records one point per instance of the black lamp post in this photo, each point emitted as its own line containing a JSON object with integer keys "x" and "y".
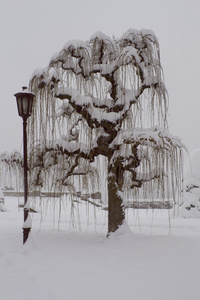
{"x": 24, "y": 105}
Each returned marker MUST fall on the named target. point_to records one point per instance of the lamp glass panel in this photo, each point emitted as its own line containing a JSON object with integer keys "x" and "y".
{"x": 30, "y": 105}
{"x": 25, "y": 105}
{"x": 19, "y": 106}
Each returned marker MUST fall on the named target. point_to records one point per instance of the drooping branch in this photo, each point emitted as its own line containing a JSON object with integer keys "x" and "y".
{"x": 156, "y": 137}
{"x": 65, "y": 159}
{"x": 101, "y": 113}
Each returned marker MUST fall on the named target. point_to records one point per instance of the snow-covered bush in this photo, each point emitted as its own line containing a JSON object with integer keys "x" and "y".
{"x": 190, "y": 204}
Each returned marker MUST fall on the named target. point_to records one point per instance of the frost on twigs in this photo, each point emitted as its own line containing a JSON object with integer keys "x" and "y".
{"x": 101, "y": 105}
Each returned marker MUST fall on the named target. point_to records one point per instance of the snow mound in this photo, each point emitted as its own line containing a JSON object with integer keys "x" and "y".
{"x": 123, "y": 232}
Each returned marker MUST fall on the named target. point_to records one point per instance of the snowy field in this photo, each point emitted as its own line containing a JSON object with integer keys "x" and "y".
{"x": 159, "y": 258}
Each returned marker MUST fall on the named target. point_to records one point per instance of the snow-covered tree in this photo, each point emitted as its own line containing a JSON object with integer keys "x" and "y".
{"x": 190, "y": 201}
{"x": 11, "y": 169}
{"x": 105, "y": 100}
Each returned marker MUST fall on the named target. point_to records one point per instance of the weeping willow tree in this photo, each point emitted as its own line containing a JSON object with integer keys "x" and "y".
{"x": 104, "y": 101}
{"x": 11, "y": 170}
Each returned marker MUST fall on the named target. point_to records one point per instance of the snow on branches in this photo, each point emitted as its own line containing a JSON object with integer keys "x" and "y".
{"x": 106, "y": 97}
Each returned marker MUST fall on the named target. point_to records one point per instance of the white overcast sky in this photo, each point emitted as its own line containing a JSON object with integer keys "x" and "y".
{"x": 31, "y": 31}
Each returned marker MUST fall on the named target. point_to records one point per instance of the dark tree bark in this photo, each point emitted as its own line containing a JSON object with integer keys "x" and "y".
{"x": 116, "y": 213}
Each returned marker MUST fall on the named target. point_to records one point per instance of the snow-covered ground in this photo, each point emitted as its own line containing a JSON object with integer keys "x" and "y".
{"x": 156, "y": 259}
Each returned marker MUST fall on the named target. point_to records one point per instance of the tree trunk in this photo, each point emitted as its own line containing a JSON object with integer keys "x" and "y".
{"x": 116, "y": 214}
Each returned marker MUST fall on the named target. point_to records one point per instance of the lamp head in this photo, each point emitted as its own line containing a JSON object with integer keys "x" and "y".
{"x": 24, "y": 102}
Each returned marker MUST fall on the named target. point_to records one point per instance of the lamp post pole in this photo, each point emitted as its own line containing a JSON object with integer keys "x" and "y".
{"x": 26, "y": 230}
{"x": 24, "y": 105}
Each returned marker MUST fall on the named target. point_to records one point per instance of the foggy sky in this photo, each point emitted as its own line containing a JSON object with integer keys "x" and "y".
{"x": 31, "y": 31}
